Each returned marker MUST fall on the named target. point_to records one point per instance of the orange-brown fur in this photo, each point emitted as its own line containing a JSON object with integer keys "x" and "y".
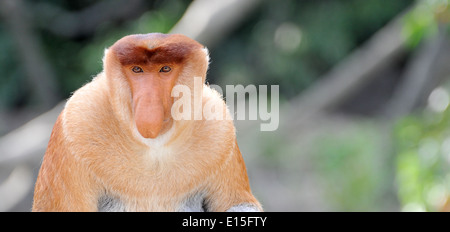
{"x": 96, "y": 150}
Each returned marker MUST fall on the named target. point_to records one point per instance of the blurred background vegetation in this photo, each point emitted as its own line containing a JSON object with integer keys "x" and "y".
{"x": 364, "y": 87}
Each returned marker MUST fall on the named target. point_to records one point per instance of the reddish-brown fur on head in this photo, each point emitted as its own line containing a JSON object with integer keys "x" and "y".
{"x": 154, "y": 48}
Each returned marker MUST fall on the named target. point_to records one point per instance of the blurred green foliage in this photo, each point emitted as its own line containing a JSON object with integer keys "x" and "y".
{"x": 424, "y": 20}
{"x": 423, "y": 155}
{"x": 422, "y": 140}
{"x": 356, "y": 175}
{"x": 13, "y": 84}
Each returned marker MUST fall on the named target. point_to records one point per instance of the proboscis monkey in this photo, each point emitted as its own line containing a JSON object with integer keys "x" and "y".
{"x": 117, "y": 147}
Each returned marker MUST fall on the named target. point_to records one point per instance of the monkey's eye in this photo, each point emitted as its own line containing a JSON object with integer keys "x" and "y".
{"x": 137, "y": 69}
{"x": 165, "y": 69}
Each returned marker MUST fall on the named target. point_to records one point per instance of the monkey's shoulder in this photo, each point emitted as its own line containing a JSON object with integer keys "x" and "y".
{"x": 216, "y": 127}
{"x": 91, "y": 96}
{"x": 87, "y": 112}
{"x": 216, "y": 116}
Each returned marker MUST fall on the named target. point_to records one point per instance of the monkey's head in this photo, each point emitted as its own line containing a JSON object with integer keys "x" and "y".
{"x": 142, "y": 70}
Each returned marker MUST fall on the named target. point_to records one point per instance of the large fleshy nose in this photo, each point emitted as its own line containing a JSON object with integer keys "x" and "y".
{"x": 148, "y": 108}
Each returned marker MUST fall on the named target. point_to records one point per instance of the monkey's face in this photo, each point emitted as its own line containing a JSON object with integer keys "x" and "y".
{"x": 151, "y": 65}
{"x": 151, "y": 85}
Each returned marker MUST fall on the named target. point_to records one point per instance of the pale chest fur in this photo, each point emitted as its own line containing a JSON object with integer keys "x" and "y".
{"x": 159, "y": 181}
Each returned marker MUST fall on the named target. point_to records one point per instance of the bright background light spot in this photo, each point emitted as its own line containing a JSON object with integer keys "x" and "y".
{"x": 288, "y": 37}
{"x": 438, "y": 100}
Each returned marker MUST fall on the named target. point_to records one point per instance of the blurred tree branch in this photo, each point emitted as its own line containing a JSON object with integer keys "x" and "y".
{"x": 419, "y": 77}
{"x": 210, "y": 21}
{"x": 348, "y": 76}
{"x": 38, "y": 70}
